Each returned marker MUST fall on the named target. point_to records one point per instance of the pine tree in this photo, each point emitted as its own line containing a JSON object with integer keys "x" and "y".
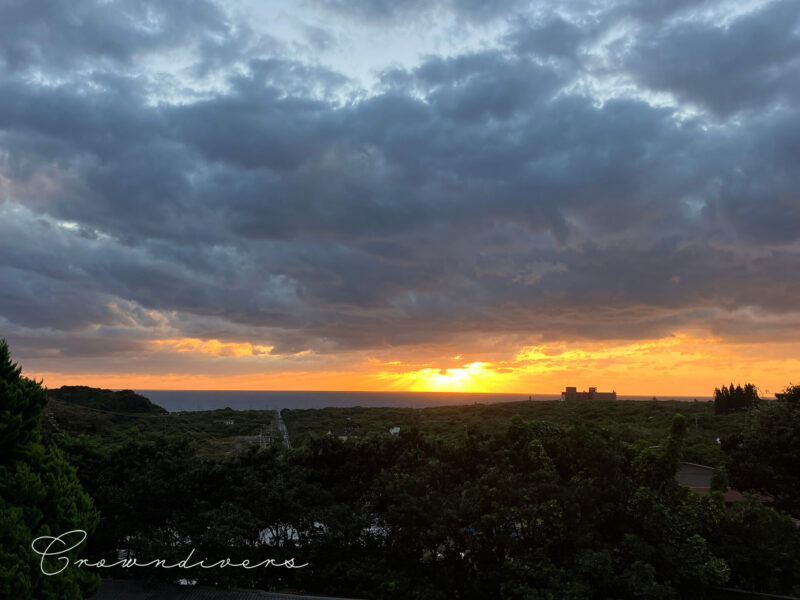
{"x": 39, "y": 495}
{"x": 9, "y": 371}
{"x": 733, "y": 399}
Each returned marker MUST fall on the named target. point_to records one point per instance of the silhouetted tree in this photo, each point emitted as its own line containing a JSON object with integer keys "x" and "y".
{"x": 734, "y": 399}
{"x": 39, "y": 495}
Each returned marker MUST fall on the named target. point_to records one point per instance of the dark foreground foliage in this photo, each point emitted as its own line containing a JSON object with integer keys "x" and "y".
{"x": 39, "y": 494}
{"x": 536, "y": 511}
{"x": 765, "y": 456}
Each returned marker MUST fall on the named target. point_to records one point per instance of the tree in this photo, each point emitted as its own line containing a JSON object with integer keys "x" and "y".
{"x": 790, "y": 396}
{"x": 766, "y": 456}
{"x": 40, "y": 495}
{"x": 761, "y": 545}
{"x": 735, "y": 399}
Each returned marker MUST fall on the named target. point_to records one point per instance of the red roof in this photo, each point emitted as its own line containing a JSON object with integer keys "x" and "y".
{"x": 732, "y": 495}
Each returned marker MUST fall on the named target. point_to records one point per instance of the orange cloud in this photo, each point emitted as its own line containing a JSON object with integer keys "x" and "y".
{"x": 210, "y": 347}
{"x": 678, "y": 365}
{"x": 473, "y": 377}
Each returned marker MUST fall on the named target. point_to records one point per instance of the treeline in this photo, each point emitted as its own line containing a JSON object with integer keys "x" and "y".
{"x": 728, "y": 399}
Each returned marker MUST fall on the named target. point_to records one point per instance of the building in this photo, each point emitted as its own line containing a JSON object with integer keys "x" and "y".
{"x": 343, "y": 433}
{"x": 698, "y": 479}
{"x": 572, "y": 393}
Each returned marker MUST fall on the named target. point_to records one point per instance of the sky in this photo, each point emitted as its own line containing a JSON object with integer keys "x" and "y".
{"x": 422, "y": 195}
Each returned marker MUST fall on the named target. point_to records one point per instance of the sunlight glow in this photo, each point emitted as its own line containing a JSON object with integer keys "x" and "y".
{"x": 679, "y": 365}
{"x": 472, "y": 377}
{"x": 211, "y": 347}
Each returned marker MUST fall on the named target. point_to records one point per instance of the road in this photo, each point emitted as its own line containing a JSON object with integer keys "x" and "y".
{"x": 283, "y": 430}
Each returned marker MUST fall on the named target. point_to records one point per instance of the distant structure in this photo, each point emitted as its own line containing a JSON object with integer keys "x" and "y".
{"x": 343, "y": 433}
{"x": 699, "y": 479}
{"x": 572, "y": 393}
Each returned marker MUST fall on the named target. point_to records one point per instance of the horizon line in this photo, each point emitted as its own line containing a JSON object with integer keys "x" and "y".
{"x": 444, "y": 393}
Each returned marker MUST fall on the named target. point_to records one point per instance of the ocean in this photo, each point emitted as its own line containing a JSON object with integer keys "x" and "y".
{"x": 184, "y": 400}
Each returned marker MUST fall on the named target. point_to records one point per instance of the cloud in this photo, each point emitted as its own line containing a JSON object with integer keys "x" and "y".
{"x": 387, "y": 12}
{"x": 751, "y": 63}
{"x": 56, "y": 35}
{"x": 555, "y": 37}
{"x": 535, "y": 187}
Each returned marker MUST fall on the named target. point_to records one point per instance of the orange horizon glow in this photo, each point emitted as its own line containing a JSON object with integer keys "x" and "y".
{"x": 677, "y": 365}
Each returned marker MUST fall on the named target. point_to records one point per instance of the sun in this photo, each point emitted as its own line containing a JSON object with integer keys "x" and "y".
{"x": 472, "y": 377}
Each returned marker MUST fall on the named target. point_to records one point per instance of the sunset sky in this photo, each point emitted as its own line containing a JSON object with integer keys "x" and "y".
{"x": 426, "y": 195}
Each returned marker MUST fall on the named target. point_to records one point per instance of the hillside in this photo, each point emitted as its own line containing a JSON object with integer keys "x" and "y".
{"x": 215, "y": 433}
{"x": 122, "y": 401}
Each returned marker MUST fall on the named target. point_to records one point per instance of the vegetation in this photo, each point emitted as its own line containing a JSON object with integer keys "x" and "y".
{"x": 215, "y": 433}
{"x": 39, "y": 495}
{"x": 765, "y": 456}
{"x": 738, "y": 399}
{"x": 535, "y": 510}
{"x": 628, "y": 420}
{"x": 122, "y": 401}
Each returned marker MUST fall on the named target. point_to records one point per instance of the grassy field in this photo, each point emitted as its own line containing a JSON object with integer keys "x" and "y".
{"x": 628, "y": 420}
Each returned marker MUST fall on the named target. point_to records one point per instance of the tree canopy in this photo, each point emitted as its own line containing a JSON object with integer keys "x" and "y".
{"x": 765, "y": 456}
{"x": 728, "y": 399}
{"x": 39, "y": 495}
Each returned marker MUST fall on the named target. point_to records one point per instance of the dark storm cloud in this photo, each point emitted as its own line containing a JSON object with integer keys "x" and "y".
{"x": 476, "y": 193}
{"x": 53, "y": 35}
{"x": 388, "y": 11}
{"x": 377, "y": 10}
{"x": 751, "y": 63}
{"x": 554, "y": 37}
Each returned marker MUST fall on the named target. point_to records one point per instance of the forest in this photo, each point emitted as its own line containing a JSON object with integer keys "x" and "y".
{"x": 526, "y": 501}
